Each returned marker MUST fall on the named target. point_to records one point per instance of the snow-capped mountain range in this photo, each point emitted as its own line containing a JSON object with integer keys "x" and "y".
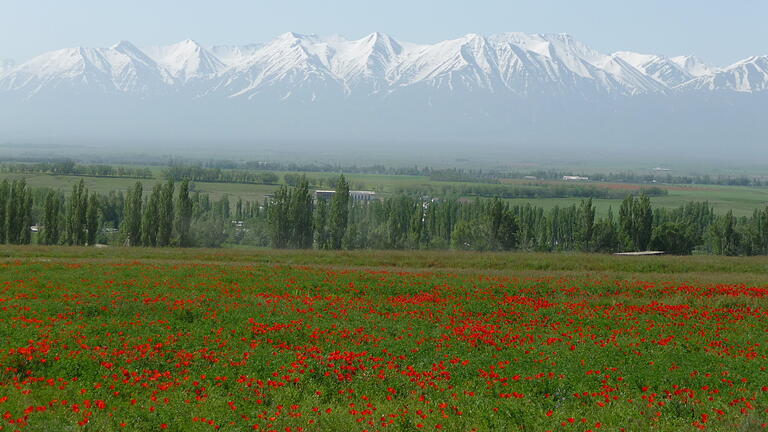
{"x": 506, "y": 91}
{"x": 308, "y": 66}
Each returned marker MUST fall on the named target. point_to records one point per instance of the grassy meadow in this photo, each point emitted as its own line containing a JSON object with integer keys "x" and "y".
{"x": 196, "y": 340}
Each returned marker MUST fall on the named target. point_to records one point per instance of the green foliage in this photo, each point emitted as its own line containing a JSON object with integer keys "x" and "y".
{"x": 17, "y": 215}
{"x": 183, "y": 216}
{"x": 278, "y": 218}
{"x": 51, "y": 219}
{"x": 674, "y": 238}
{"x": 133, "y": 211}
{"x": 92, "y": 220}
{"x": 338, "y": 217}
{"x": 300, "y": 214}
{"x": 150, "y": 223}
{"x": 722, "y": 236}
{"x": 586, "y": 227}
{"x": 165, "y": 215}
{"x": 322, "y": 233}
{"x": 209, "y": 232}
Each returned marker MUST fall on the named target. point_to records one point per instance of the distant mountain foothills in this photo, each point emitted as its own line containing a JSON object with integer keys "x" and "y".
{"x": 474, "y": 87}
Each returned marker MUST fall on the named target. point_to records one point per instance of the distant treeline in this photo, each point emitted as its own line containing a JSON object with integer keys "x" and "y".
{"x": 316, "y": 167}
{"x": 225, "y": 171}
{"x": 171, "y": 216}
{"x": 71, "y": 168}
{"x": 655, "y": 177}
{"x": 495, "y": 174}
{"x": 464, "y": 176}
{"x": 217, "y": 175}
{"x": 539, "y": 190}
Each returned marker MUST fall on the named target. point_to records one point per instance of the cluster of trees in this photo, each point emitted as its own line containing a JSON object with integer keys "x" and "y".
{"x": 174, "y": 215}
{"x": 168, "y": 218}
{"x": 15, "y": 212}
{"x": 163, "y": 217}
{"x": 408, "y": 222}
{"x": 217, "y": 175}
{"x": 296, "y": 222}
{"x": 68, "y": 167}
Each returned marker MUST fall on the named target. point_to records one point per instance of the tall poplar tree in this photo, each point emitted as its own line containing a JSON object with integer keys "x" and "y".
{"x": 149, "y": 220}
{"x": 321, "y": 224}
{"x": 92, "y": 220}
{"x": 278, "y": 218}
{"x": 51, "y": 218}
{"x": 586, "y": 226}
{"x": 339, "y": 213}
{"x": 627, "y": 223}
{"x": 16, "y": 212}
{"x": 132, "y": 215}
{"x": 183, "y": 216}
{"x": 165, "y": 216}
{"x": 25, "y": 234}
{"x": 643, "y": 222}
{"x": 5, "y": 194}
{"x": 300, "y": 214}
{"x": 76, "y": 214}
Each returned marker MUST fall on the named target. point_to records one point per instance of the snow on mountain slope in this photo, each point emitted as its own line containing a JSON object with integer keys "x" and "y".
{"x": 693, "y": 65}
{"x": 290, "y": 65}
{"x": 120, "y": 68}
{"x": 366, "y": 62}
{"x": 660, "y": 68}
{"x": 186, "y": 60}
{"x": 6, "y": 65}
{"x": 463, "y": 63}
{"x": 747, "y": 76}
{"x": 308, "y": 67}
{"x": 232, "y": 55}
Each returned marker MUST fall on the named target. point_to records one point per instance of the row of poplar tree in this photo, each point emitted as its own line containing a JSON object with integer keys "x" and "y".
{"x": 159, "y": 219}
{"x": 295, "y": 220}
{"x": 171, "y": 215}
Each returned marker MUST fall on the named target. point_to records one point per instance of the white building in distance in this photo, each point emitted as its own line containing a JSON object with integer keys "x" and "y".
{"x": 355, "y": 195}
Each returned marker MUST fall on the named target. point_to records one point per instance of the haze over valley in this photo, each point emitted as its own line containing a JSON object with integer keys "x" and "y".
{"x": 509, "y": 94}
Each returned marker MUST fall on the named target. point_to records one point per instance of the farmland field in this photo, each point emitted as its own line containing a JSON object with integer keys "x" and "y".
{"x": 201, "y": 340}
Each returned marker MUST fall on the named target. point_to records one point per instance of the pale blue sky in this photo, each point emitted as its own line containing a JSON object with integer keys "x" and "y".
{"x": 719, "y": 31}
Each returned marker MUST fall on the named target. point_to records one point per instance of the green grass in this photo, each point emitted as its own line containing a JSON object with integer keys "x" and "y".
{"x": 456, "y": 261}
{"x": 104, "y": 185}
{"x": 202, "y": 340}
{"x": 741, "y": 200}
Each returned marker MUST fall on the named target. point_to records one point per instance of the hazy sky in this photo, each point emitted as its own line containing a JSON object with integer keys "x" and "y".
{"x": 720, "y": 32}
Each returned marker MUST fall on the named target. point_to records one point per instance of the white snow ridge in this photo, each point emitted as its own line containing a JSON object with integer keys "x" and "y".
{"x": 310, "y": 66}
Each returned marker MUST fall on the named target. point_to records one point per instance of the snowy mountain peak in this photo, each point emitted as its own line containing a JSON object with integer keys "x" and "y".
{"x": 303, "y": 66}
{"x": 129, "y": 49}
{"x": 693, "y": 65}
{"x": 662, "y": 69}
{"x": 385, "y": 42}
{"x": 186, "y": 60}
{"x": 747, "y": 76}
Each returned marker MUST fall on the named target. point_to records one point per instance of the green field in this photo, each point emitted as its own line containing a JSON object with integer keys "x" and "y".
{"x": 231, "y": 340}
{"x": 741, "y": 200}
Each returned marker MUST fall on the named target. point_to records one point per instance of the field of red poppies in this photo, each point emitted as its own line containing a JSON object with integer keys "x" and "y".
{"x": 97, "y": 346}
